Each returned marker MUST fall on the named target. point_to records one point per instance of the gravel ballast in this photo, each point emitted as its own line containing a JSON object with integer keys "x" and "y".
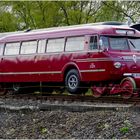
{"x": 20, "y": 119}
{"x": 69, "y": 125}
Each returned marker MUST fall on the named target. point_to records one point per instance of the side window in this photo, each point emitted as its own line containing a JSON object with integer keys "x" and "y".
{"x": 28, "y": 47}
{"x": 55, "y": 45}
{"x": 12, "y": 48}
{"x": 1, "y": 49}
{"x": 104, "y": 42}
{"x": 41, "y": 46}
{"x": 93, "y": 43}
{"x": 75, "y": 44}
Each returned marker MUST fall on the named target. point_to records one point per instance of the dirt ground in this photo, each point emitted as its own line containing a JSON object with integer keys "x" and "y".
{"x": 69, "y": 125}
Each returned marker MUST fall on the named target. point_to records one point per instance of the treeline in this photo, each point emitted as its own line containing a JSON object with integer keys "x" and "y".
{"x": 21, "y": 15}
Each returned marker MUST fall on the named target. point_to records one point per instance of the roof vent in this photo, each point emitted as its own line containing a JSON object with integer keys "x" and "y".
{"x": 28, "y": 30}
{"x": 113, "y": 23}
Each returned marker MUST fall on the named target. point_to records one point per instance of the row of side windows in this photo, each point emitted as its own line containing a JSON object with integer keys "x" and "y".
{"x": 53, "y": 45}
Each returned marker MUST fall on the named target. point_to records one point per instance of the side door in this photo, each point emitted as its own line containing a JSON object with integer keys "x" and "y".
{"x": 97, "y": 60}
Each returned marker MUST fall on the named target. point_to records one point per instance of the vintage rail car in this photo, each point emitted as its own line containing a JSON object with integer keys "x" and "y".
{"x": 103, "y": 56}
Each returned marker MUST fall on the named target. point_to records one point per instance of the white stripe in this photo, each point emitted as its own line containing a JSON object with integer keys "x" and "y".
{"x": 21, "y": 73}
{"x": 47, "y": 72}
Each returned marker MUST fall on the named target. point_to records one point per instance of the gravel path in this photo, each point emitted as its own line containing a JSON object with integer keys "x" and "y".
{"x": 67, "y": 125}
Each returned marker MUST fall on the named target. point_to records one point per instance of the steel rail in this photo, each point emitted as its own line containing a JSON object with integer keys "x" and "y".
{"x": 74, "y": 98}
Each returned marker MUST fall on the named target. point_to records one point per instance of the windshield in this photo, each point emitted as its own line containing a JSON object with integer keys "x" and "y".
{"x": 120, "y": 43}
{"x": 134, "y": 43}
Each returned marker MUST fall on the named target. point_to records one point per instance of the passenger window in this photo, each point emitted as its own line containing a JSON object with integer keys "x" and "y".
{"x": 75, "y": 44}
{"x": 55, "y": 45}
{"x": 93, "y": 43}
{"x": 41, "y": 46}
{"x": 12, "y": 48}
{"x": 28, "y": 47}
{"x": 1, "y": 49}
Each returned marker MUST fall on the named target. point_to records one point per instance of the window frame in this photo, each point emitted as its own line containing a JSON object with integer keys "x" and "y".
{"x": 28, "y": 41}
{"x": 118, "y": 50}
{"x": 11, "y": 43}
{"x": 74, "y": 37}
{"x": 38, "y": 45}
{"x": 98, "y": 47}
{"x": 55, "y": 39}
{"x": 3, "y": 49}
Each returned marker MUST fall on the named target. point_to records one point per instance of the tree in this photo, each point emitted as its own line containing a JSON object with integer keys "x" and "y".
{"x": 21, "y": 15}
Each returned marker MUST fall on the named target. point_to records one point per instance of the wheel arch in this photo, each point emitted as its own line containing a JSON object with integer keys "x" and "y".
{"x": 68, "y": 67}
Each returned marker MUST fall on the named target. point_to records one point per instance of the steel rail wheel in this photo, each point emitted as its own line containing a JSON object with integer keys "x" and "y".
{"x": 97, "y": 91}
{"x": 14, "y": 88}
{"x": 128, "y": 85}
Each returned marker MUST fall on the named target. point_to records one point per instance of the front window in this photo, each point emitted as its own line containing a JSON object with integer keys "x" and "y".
{"x": 114, "y": 43}
{"x": 134, "y": 43}
{"x": 118, "y": 43}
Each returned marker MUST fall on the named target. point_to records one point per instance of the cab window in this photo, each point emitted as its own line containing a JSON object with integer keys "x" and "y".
{"x": 93, "y": 43}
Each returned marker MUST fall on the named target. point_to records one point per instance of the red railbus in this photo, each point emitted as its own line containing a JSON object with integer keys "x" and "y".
{"x": 103, "y": 57}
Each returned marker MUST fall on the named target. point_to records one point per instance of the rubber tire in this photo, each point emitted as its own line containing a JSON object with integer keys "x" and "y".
{"x": 77, "y": 90}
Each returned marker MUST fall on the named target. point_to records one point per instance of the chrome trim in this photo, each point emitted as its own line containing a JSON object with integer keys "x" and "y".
{"x": 132, "y": 74}
{"x": 22, "y": 73}
{"x": 93, "y": 70}
{"x": 92, "y": 60}
{"x": 127, "y": 74}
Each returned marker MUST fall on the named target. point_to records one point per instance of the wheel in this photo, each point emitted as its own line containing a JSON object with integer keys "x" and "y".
{"x": 72, "y": 82}
{"x": 14, "y": 88}
{"x": 128, "y": 86}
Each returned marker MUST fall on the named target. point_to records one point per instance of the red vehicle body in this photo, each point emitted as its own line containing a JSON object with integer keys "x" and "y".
{"x": 103, "y": 57}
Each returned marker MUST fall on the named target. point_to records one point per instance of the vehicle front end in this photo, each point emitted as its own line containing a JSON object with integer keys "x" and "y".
{"x": 123, "y": 49}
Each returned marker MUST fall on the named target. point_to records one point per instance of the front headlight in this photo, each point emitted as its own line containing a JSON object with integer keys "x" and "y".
{"x": 117, "y": 65}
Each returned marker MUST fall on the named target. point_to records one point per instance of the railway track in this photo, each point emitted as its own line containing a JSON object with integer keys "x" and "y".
{"x": 74, "y": 98}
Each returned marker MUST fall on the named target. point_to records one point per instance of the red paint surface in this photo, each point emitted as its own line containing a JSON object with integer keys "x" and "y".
{"x": 55, "y": 64}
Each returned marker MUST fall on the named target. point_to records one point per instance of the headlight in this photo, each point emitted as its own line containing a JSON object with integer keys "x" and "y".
{"x": 117, "y": 65}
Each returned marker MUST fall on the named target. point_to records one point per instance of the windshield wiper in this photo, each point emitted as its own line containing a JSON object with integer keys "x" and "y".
{"x": 132, "y": 44}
